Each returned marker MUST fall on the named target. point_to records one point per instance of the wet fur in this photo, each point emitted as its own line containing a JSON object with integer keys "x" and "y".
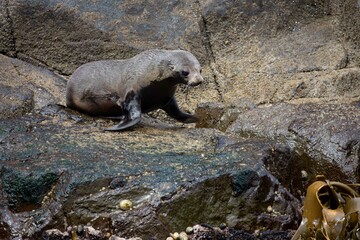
{"x": 148, "y": 81}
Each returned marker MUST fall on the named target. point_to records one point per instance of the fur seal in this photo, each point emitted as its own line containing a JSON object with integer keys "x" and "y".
{"x": 124, "y": 89}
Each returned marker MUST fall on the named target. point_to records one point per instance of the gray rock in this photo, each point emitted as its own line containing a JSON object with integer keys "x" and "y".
{"x": 55, "y": 234}
{"x": 218, "y": 115}
{"x": 7, "y": 39}
{"x": 324, "y": 132}
{"x": 63, "y": 35}
{"x": 209, "y": 115}
{"x": 15, "y": 102}
{"x": 243, "y": 46}
{"x": 40, "y": 86}
{"x": 167, "y": 180}
{"x": 283, "y": 52}
{"x": 56, "y": 166}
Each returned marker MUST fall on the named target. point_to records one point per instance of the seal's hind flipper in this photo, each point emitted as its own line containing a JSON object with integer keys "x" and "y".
{"x": 132, "y": 110}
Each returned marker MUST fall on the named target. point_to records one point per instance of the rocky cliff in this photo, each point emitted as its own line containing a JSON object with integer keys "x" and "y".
{"x": 280, "y": 104}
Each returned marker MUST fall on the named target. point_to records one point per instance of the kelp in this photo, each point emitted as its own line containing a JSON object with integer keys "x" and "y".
{"x": 330, "y": 212}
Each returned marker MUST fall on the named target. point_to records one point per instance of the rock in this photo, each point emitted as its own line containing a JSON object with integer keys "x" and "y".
{"x": 209, "y": 115}
{"x": 25, "y": 192}
{"x": 38, "y": 87}
{"x": 7, "y": 39}
{"x": 116, "y": 238}
{"x": 78, "y": 32}
{"x": 348, "y": 26}
{"x": 325, "y": 134}
{"x": 58, "y": 167}
{"x": 90, "y": 233}
{"x": 218, "y": 115}
{"x": 55, "y": 234}
{"x": 275, "y": 235}
{"x": 80, "y": 229}
{"x": 117, "y": 183}
{"x": 173, "y": 192}
{"x": 298, "y": 47}
{"x": 93, "y": 233}
{"x": 294, "y": 69}
{"x": 244, "y": 184}
{"x": 201, "y": 232}
{"x": 284, "y": 52}
{"x": 5, "y": 232}
{"x": 15, "y": 102}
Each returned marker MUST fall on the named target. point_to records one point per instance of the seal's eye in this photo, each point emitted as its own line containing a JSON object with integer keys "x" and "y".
{"x": 184, "y": 73}
{"x": 200, "y": 71}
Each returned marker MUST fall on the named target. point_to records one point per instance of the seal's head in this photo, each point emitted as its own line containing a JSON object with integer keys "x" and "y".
{"x": 187, "y": 68}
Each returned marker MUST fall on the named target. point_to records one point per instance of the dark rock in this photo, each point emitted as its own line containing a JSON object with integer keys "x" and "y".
{"x": 252, "y": 53}
{"x": 64, "y": 35}
{"x": 281, "y": 158}
{"x": 347, "y": 13}
{"x": 209, "y": 115}
{"x": 15, "y": 101}
{"x": 117, "y": 183}
{"x": 25, "y": 192}
{"x": 218, "y": 115}
{"x": 325, "y": 136}
{"x": 275, "y": 235}
{"x": 332, "y": 132}
{"x": 265, "y": 191}
{"x": 223, "y": 196}
{"x": 167, "y": 196}
{"x": 5, "y": 232}
{"x": 201, "y": 232}
{"x": 7, "y": 39}
{"x": 80, "y": 229}
{"x": 93, "y": 234}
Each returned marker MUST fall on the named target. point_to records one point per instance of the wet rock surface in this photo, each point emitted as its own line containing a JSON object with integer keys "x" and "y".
{"x": 323, "y": 132}
{"x": 54, "y": 174}
{"x": 280, "y": 105}
{"x": 15, "y": 102}
{"x": 29, "y": 86}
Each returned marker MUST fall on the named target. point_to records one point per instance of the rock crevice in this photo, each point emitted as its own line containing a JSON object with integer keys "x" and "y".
{"x": 9, "y": 28}
{"x": 209, "y": 50}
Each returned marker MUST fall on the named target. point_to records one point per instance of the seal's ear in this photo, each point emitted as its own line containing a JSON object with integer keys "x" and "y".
{"x": 171, "y": 66}
{"x": 168, "y": 64}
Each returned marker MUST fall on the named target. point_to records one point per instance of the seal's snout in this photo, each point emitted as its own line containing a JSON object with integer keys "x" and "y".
{"x": 196, "y": 80}
{"x": 193, "y": 84}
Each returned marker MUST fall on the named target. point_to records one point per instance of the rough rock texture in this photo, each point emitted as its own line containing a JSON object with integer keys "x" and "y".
{"x": 63, "y": 35}
{"x": 307, "y": 62}
{"x": 37, "y": 86}
{"x": 306, "y": 49}
{"x": 324, "y": 132}
{"x": 175, "y": 177}
{"x": 282, "y": 83}
{"x": 15, "y": 101}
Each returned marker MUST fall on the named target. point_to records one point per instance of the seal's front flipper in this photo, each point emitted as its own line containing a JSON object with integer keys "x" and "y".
{"x": 172, "y": 109}
{"x": 123, "y": 125}
{"x": 132, "y": 112}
